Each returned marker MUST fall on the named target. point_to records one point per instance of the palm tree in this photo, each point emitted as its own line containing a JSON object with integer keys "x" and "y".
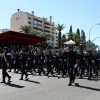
{"x": 70, "y": 36}
{"x": 76, "y": 38}
{"x": 59, "y": 27}
{"x": 63, "y": 39}
{"x": 34, "y": 33}
{"x": 25, "y": 29}
{"x": 46, "y": 36}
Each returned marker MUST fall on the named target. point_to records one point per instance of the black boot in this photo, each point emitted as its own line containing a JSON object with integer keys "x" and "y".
{"x": 9, "y": 78}
{"x": 70, "y": 84}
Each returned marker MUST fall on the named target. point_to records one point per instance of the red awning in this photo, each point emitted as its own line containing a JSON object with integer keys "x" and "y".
{"x": 13, "y": 37}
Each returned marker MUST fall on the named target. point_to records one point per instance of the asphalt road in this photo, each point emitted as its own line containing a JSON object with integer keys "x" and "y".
{"x": 52, "y": 88}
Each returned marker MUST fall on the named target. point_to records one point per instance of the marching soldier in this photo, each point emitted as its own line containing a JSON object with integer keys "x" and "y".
{"x": 29, "y": 61}
{"x": 12, "y": 62}
{"x": 82, "y": 63}
{"x": 64, "y": 62}
{"x": 49, "y": 62}
{"x": 5, "y": 65}
{"x": 90, "y": 64}
{"x": 72, "y": 65}
{"x": 59, "y": 62}
{"x": 24, "y": 63}
{"x": 97, "y": 63}
{"x": 54, "y": 61}
{"x": 41, "y": 62}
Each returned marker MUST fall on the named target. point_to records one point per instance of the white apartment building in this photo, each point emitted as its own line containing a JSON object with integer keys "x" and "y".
{"x": 4, "y": 30}
{"x": 21, "y": 18}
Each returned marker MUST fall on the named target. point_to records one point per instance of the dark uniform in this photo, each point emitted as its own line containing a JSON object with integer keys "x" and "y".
{"x": 97, "y": 57}
{"x": 24, "y": 63}
{"x": 54, "y": 62}
{"x": 12, "y": 62}
{"x": 49, "y": 62}
{"x": 41, "y": 63}
{"x": 29, "y": 67}
{"x": 82, "y": 64}
{"x": 72, "y": 61}
{"x": 57, "y": 62}
{"x": 90, "y": 64}
{"x": 4, "y": 65}
{"x": 64, "y": 63}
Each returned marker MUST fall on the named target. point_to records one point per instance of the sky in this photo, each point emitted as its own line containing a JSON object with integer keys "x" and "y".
{"x": 82, "y": 14}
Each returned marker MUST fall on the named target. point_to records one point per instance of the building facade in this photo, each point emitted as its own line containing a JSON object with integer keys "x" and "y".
{"x": 21, "y": 18}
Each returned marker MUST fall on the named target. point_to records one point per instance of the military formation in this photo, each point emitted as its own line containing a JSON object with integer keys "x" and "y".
{"x": 66, "y": 63}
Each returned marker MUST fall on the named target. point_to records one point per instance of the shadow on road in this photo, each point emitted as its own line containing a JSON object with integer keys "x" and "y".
{"x": 92, "y": 79}
{"x": 14, "y": 85}
{"x": 52, "y": 76}
{"x": 32, "y": 81}
{"x": 90, "y": 88}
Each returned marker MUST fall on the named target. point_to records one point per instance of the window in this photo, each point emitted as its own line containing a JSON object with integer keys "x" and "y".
{"x": 35, "y": 19}
{"x": 47, "y": 23}
{"x": 36, "y": 24}
{"x": 29, "y": 22}
{"x": 56, "y": 43}
{"x": 46, "y": 31}
{"x": 52, "y": 32}
{"x": 39, "y": 21}
{"x": 17, "y": 18}
{"x": 52, "y": 28}
{"x": 47, "y": 27}
{"x": 39, "y": 25}
{"x": 29, "y": 18}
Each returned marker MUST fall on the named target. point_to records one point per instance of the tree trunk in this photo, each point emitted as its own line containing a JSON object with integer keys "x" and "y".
{"x": 59, "y": 40}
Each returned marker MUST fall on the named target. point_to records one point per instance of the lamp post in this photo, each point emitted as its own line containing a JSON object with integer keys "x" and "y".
{"x": 90, "y": 31}
{"x": 93, "y": 41}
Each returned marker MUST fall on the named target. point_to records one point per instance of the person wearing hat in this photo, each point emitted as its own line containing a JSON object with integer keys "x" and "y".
{"x": 49, "y": 62}
{"x": 82, "y": 63}
{"x": 90, "y": 64}
{"x": 72, "y": 58}
{"x": 64, "y": 61}
{"x": 97, "y": 59}
{"x": 5, "y": 65}
{"x": 24, "y": 63}
{"x": 41, "y": 62}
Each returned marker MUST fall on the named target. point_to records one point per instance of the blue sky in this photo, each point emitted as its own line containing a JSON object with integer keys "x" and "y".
{"x": 80, "y": 14}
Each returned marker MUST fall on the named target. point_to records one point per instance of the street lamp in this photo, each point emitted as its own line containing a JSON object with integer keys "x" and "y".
{"x": 90, "y": 31}
{"x": 93, "y": 41}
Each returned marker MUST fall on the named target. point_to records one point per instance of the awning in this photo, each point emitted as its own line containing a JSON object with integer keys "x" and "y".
{"x": 70, "y": 42}
{"x": 12, "y": 37}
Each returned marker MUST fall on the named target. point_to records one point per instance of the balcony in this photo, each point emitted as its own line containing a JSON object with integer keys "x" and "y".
{"x": 46, "y": 29}
{"x": 38, "y": 27}
{"x": 47, "y": 24}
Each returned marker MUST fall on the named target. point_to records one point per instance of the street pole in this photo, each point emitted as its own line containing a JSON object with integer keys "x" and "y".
{"x": 93, "y": 41}
{"x": 90, "y": 31}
